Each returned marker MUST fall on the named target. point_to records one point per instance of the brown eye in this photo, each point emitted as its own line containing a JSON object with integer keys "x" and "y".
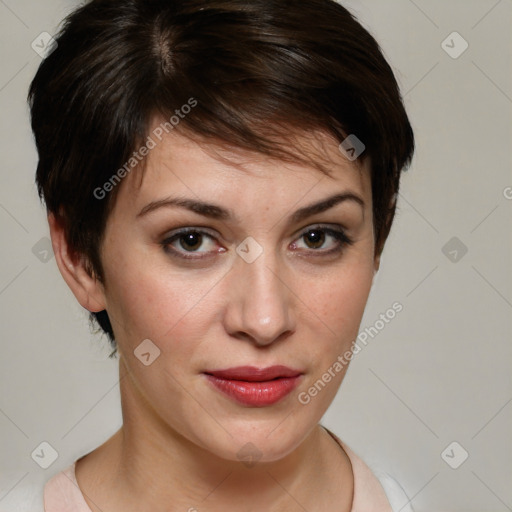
{"x": 314, "y": 238}
{"x": 191, "y": 241}
{"x": 322, "y": 240}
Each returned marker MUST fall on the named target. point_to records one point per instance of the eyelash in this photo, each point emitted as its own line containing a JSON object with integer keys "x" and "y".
{"x": 338, "y": 234}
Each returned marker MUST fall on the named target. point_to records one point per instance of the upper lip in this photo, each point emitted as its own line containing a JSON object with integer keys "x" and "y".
{"x": 254, "y": 374}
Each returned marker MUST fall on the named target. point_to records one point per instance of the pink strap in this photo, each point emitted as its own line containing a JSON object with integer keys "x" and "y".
{"x": 369, "y": 495}
{"x": 62, "y": 494}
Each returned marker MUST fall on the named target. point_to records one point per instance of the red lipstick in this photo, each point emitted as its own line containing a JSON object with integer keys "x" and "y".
{"x": 255, "y": 387}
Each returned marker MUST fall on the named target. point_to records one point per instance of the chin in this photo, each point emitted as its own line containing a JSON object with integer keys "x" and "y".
{"x": 268, "y": 441}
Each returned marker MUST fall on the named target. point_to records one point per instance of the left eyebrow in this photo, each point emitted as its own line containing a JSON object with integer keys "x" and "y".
{"x": 323, "y": 205}
{"x": 218, "y": 212}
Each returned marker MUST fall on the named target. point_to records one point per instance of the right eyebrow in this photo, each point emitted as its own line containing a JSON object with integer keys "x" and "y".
{"x": 202, "y": 208}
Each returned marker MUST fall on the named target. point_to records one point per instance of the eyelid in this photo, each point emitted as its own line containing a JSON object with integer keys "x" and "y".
{"x": 174, "y": 235}
{"x": 321, "y": 225}
{"x": 207, "y": 231}
{"x": 334, "y": 230}
{"x": 189, "y": 229}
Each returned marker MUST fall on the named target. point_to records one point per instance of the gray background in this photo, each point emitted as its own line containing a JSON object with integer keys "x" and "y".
{"x": 439, "y": 372}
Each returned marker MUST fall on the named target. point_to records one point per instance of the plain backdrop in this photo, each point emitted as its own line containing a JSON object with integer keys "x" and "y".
{"x": 431, "y": 388}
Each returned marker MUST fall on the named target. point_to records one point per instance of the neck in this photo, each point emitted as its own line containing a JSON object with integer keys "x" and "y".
{"x": 149, "y": 466}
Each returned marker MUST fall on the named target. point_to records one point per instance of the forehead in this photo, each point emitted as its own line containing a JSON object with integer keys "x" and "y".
{"x": 182, "y": 162}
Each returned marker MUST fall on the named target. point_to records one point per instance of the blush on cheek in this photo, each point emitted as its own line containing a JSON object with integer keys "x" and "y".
{"x": 341, "y": 298}
{"x": 141, "y": 306}
{"x": 339, "y": 315}
{"x": 166, "y": 311}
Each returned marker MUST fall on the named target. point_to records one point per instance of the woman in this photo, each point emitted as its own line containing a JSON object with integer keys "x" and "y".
{"x": 220, "y": 179}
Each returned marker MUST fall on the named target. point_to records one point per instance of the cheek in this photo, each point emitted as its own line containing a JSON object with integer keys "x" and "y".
{"x": 331, "y": 321}
{"x": 150, "y": 302}
{"x": 339, "y": 299}
{"x": 335, "y": 305}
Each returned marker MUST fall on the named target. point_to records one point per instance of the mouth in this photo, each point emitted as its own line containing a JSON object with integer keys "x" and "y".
{"x": 255, "y": 387}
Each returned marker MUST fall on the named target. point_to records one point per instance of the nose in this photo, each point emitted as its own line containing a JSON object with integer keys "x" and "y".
{"x": 260, "y": 302}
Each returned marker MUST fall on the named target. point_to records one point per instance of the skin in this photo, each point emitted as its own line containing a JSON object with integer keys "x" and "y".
{"x": 178, "y": 446}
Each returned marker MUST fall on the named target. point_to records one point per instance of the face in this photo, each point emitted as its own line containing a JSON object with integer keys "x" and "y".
{"x": 221, "y": 265}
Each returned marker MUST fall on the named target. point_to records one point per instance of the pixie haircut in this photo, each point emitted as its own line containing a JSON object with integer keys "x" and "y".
{"x": 240, "y": 73}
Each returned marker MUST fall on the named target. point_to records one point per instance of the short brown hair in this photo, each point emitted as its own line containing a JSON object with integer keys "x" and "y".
{"x": 253, "y": 68}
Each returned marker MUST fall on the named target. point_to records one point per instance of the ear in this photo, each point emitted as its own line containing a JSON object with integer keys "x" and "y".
{"x": 89, "y": 292}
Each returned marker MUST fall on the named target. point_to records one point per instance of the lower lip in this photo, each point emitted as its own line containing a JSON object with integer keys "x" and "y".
{"x": 255, "y": 394}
